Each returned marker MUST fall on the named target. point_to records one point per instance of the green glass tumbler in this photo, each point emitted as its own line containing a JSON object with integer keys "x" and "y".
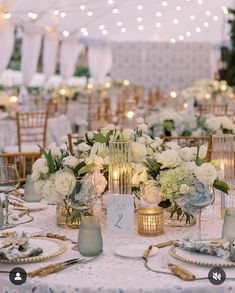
{"x": 90, "y": 241}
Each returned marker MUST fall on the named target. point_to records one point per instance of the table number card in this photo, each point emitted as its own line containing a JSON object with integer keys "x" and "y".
{"x": 120, "y": 214}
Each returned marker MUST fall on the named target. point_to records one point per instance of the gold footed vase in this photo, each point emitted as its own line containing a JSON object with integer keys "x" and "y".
{"x": 68, "y": 217}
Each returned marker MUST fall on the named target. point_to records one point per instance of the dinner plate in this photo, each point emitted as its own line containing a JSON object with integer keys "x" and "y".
{"x": 51, "y": 248}
{"x": 199, "y": 258}
{"x": 134, "y": 250}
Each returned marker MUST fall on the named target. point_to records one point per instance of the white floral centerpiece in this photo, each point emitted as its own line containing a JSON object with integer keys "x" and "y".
{"x": 216, "y": 125}
{"x": 171, "y": 123}
{"x": 177, "y": 173}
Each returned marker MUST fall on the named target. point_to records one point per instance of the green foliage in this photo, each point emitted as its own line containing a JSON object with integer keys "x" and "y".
{"x": 221, "y": 185}
{"x": 168, "y": 126}
{"x": 99, "y": 137}
{"x": 153, "y": 167}
{"x": 165, "y": 204}
{"x": 82, "y": 71}
{"x": 186, "y": 132}
{"x": 49, "y": 159}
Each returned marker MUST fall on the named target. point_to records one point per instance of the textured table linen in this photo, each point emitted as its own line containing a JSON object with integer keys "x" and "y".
{"x": 113, "y": 274}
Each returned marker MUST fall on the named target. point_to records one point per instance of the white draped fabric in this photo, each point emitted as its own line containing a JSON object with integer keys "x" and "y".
{"x": 50, "y": 47}
{"x": 100, "y": 62}
{"x": 30, "y": 53}
{"x": 70, "y": 51}
{"x": 7, "y": 38}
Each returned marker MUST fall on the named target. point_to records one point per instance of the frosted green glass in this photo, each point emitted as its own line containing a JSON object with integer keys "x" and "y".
{"x": 90, "y": 241}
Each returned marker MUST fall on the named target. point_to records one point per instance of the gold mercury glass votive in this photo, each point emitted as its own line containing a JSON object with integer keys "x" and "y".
{"x": 150, "y": 221}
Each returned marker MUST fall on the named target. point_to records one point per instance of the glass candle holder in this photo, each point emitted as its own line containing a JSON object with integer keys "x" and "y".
{"x": 120, "y": 167}
{"x": 90, "y": 241}
{"x": 30, "y": 195}
{"x": 150, "y": 221}
{"x": 223, "y": 153}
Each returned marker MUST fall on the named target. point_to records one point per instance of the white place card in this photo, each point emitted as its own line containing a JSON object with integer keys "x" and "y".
{"x": 120, "y": 214}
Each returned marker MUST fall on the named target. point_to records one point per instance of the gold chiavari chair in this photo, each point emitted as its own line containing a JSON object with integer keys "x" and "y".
{"x": 71, "y": 139}
{"x": 22, "y": 161}
{"x": 190, "y": 141}
{"x": 31, "y": 128}
{"x": 57, "y": 107}
{"x": 215, "y": 109}
{"x": 31, "y": 132}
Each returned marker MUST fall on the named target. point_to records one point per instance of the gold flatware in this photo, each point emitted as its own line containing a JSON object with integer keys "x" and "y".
{"x": 181, "y": 272}
{"x": 54, "y": 268}
{"x": 56, "y": 236}
{"x": 159, "y": 245}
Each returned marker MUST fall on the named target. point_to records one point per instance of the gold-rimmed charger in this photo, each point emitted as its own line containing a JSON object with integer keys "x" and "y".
{"x": 51, "y": 248}
{"x": 199, "y": 258}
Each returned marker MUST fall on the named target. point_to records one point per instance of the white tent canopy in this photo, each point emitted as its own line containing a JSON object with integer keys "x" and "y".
{"x": 121, "y": 20}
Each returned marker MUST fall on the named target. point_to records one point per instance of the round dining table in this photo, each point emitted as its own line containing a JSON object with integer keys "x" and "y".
{"x": 110, "y": 273}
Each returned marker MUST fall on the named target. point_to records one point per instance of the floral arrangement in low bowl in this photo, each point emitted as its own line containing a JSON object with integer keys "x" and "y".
{"x": 178, "y": 174}
{"x": 216, "y": 125}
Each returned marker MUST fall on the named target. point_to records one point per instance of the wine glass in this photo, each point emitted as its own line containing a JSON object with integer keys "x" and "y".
{"x": 9, "y": 181}
{"x": 201, "y": 198}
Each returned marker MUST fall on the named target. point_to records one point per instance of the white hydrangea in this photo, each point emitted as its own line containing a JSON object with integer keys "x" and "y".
{"x": 99, "y": 149}
{"x": 39, "y": 168}
{"x": 213, "y": 124}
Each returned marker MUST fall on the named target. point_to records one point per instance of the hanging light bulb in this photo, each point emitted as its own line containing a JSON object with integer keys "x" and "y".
{"x": 66, "y": 33}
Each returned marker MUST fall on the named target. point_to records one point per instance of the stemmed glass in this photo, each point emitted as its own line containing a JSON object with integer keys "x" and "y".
{"x": 9, "y": 181}
{"x": 199, "y": 201}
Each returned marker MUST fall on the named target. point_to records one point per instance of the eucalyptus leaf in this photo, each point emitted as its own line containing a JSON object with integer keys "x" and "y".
{"x": 99, "y": 137}
{"x": 222, "y": 186}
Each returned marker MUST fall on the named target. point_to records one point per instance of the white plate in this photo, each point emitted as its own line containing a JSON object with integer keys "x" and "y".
{"x": 134, "y": 250}
{"x": 32, "y": 206}
{"x": 50, "y": 247}
{"x": 28, "y": 230}
{"x": 199, "y": 258}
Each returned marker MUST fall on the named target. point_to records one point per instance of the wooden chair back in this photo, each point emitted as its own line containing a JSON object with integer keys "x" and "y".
{"x": 22, "y": 161}
{"x": 215, "y": 109}
{"x": 31, "y": 128}
{"x": 71, "y": 139}
{"x": 190, "y": 141}
{"x": 57, "y": 107}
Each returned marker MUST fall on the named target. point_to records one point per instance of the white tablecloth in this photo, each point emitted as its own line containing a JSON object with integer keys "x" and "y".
{"x": 112, "y": 274}
{"x": 56, "y": 128}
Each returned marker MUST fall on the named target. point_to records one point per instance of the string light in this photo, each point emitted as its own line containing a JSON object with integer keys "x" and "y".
{"x": 200, "y": 2}
{"x": 225, "y": 10}
{"x": 82, "y": 7}
{"x": 32, "y": 15}
{"x": 7, "y": 15}
{"x": 158, "y": 14}
{"x": 62, "y": 14}
{"x": 56, "y": 12}
{"x": 104, "y": 32}
{"x": 208, "y": 13}
{"x": 215, "y": 18}
{"x": 175, "y": 21}
{"x": 110, "y": 2}
{"x": 178, "y": 8}
{"x": 140, "y": 27}
{"x": 192, "y": 17}
{"x": 90, "y": 13}
{"x": 66, "y": 34}
{"x": 140, "y": 7}
{"x": 198, "y": 29}
{"x": 172, "y": 40}
{"x": 188, "y": 34}
{"x": 123, "y": 30}
{"x": 164, "y": 3}
{"x": 139, "y": 19}
{"x": 158, "y": 24}
{"x": 119, "y": 23}
{"x": 181, "y": 37}
{"x": 126, "y": 82}
{"x": 173, "y": 94}
{"x": 101, "y": 27}
{"x": 115, "y": 11}
{"x": 206, "y": 24}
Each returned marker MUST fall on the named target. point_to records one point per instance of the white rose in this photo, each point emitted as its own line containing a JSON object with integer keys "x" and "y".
{"x": 140, "y": 120}
{"x": 64, "y": 183}
{"x": 186, "y": 154}
{"x": 39, "y": 168}
{"x": 88, "y": 161}
{"x": 169, "y": 159}
{"x": 189, "y": 166}
{"x": 55, "y": 151}
{"x": 141, "y": 140}
{"x": 70, "y": 161}
{"x": 107, "y": 129}
{"x": 143, "y": 177}
{"x": 151, "y": 193}
{"x": 172, "y": 146}
{"x": 138, "y": 168}
{"x": 202, "y": 152}
{"x": 83, "y": 147}
{"x": 99, "y": 181}
{"x": 99, "y": 149}
{"x": 142, "y": 127}
{"x": 128, "y": 133}
{"x": 90, "y": 135}
{"x": 98, "y": 161}
{"x": 156, "y": 143}
{"x": 135, "y": 179}
{"x": 206, "y": 174}
{"x": 139, "y": 151}
{"x": 184, "y": 189}
{"x": 148, "y": 139}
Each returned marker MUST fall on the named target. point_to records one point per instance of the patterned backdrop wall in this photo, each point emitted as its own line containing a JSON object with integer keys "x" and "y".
{"x": 161, "y": 64}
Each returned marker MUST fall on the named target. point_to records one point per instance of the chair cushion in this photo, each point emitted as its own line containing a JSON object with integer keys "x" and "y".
{"x": 26, "y": 148}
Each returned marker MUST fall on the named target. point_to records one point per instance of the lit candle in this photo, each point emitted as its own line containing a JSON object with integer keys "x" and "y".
{"x": 116, "y": 181}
